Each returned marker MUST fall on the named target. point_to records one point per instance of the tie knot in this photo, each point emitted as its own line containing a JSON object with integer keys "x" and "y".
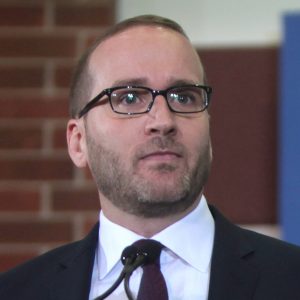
{"x": 151, "y": 249}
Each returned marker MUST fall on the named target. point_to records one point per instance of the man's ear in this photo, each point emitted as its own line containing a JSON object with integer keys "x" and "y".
{"x": 77, "y": 142}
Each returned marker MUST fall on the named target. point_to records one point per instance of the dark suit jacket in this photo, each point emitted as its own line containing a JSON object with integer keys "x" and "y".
{"x": 245, "y": 265}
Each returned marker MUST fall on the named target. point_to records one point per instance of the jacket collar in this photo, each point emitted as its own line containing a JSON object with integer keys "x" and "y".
{"x": 73, "y": 278}
{"x": 232, "y": 274}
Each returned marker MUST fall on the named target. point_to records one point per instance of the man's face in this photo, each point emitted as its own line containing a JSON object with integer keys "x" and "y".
{"x": 153, "y": 164}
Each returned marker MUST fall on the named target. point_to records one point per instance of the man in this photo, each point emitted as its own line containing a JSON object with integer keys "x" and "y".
{"x": 140, "y": 123}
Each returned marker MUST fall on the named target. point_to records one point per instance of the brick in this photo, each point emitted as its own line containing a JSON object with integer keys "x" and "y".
{"x": 63, "y": 76}
{"x": 19, "y": 199}
{"x": 89, "y": 223}
{"x": 91, "y": 39}
{"x": 36, "y": 168}
{"x": 36, "y": 106}
{"x": 85, "y": 15}
{"x": 35, "y": 231}
{"x": 21, "y": 77}
{"x": 48, "y": 45}
{"x": 21, "y": 15}
{"x": 75, "y": 199}
{"x": 59, "y": 138}
{"x": 20, "y": 137}
{"x": 10, "y": 260}
{"x": 87, "y": 174}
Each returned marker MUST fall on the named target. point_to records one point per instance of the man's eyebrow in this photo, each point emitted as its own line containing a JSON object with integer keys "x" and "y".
{"x": 143, "y": 82}
{"x": 178, "y": 82}
{"x": 130, "y": 81}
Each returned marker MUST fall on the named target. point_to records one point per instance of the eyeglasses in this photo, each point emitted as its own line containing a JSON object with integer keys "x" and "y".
{"x": 133, "y": 100}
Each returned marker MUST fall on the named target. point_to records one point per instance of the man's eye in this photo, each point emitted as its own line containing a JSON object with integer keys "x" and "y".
{"x": 129, "y": 98}
{"x": 182, "y": 98}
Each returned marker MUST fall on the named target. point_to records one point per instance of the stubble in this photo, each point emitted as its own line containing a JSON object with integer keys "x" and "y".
{"x": 137, "y": 194}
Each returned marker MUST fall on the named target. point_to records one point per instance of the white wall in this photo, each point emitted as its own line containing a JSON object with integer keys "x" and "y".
{"x": 211, "y": 23}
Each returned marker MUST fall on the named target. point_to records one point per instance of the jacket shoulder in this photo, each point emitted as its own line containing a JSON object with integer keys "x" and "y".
{"x": 248, "y": 263}
{"x": 43, "y": 262}
{"x": 37, "y": 273}
{"x": 231, "y": 235}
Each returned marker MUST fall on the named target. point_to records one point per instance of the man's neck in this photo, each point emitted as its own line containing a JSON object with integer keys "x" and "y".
{"x": 146, "y": 227}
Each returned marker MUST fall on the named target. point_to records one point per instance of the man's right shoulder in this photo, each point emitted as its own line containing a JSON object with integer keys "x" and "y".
{"x": 37, "y": 274}
{"x": 45, "y": 263}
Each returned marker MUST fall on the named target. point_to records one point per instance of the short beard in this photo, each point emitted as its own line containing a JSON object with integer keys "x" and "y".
{"x": 134, "y": 194}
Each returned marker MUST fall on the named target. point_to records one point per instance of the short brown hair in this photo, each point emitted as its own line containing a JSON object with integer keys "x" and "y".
{"x": 82, "y": 80}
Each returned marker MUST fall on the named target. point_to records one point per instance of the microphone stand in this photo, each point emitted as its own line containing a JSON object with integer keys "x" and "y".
{"x": 126, "y": 287}
{"x": 113, "y": 287}
{"x": 140, "y": 259}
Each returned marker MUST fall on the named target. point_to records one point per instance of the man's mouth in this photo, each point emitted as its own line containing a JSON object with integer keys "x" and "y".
{"x": 160, "y": 151}
{"x": 161, "y": 156}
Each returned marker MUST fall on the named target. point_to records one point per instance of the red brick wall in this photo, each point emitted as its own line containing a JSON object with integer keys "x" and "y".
{"x": 242, "y": 182}
{"x": 44, "y": 199}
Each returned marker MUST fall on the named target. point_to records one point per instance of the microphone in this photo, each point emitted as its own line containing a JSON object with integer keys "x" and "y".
{"x": 145, "y": 251}
{"x": 132, "y": 257}
{"x": 137, "y": 258}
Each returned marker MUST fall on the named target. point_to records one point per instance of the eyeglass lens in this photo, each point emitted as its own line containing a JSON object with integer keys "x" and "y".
{"x": 137, "y": 99}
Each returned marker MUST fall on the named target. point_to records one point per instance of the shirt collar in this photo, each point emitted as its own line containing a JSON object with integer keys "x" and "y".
{"x": 195, "y": 231}
{"x": 113, "y": 240}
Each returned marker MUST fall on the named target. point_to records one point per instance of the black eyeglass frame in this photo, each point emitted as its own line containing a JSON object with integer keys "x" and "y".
{"x": 107, "y": 92}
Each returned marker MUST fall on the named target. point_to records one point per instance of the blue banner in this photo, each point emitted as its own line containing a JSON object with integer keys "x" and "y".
{"x": 289, "y": 130}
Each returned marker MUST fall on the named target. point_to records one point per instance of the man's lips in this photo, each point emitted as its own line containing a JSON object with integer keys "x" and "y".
{"x": 161, "y": 156}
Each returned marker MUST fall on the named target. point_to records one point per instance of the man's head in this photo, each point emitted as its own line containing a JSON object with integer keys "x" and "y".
{"x": 153, "y": 164}
{"x": 82, "y": 79}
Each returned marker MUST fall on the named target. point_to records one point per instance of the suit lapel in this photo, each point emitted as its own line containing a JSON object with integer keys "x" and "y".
{"x": 73, "y": 279}
{"x": 233, "y": 277}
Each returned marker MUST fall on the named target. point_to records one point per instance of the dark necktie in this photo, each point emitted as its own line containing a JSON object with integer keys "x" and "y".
{"x": 153, "y": 285}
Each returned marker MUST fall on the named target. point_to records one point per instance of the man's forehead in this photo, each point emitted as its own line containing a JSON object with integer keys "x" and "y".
{"x": 137, "y": 33}
{"x": 140, "y": 45}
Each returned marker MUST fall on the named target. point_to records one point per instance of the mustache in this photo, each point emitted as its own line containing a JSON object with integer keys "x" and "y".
{"x": 159, "y": 143}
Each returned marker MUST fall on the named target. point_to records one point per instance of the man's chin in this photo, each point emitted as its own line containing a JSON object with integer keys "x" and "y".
{"x": 165, "y": 204}
{"x": 163, "y": 190}
{"x": 162, "y": 173}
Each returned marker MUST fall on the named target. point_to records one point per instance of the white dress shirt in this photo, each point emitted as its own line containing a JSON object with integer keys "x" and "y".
{"x": 185, "y": 262}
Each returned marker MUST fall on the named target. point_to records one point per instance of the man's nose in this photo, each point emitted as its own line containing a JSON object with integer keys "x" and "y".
{"x": 161, "y": 120}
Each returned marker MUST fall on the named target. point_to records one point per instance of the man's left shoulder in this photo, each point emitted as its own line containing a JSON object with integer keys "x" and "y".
{"x": 272, "y": 249}
{"x": 272, "y": 256}
{"x": 263, "y": 249}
